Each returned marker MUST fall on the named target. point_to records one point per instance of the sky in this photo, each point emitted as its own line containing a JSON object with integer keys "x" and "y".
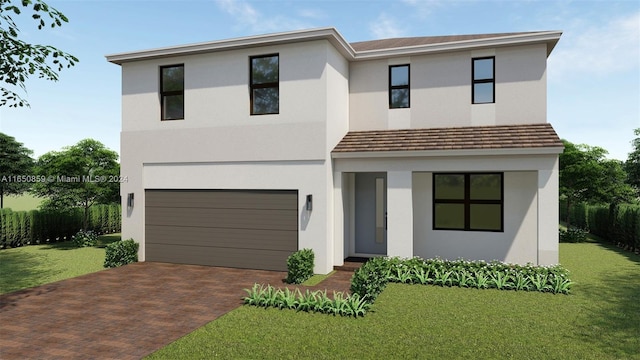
{"x": 593, "y": 74}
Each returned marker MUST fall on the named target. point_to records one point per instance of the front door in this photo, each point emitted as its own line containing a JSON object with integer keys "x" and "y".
{"x": 371, "y": 214}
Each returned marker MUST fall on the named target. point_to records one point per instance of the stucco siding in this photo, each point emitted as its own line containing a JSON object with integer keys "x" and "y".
{"x": 517, "y": 244}
{"x": 441, "y": 90}
{"x": 521, "y": 85}
{"x": 217, "y": 90}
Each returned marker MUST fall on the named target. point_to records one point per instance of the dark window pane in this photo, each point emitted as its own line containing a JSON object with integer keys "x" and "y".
{"x": 485, "y": 217}
{"x": 266, "y": 101}
{"x": 399, "y": 98}
{"x": 264, "y": 70}
{"x": 482, "y": 93}
{"x": 173, "y": 107}
{"x": 173, "y": 78}
{"x": 449, "y": 216}
{"x": 399, "y": 75}
{"x": 485, "y": 187}
{"x": 482, "y": 69}
{"x": 450, "y": 187}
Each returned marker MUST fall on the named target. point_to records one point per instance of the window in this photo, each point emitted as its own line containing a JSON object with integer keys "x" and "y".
{"x": 172, "y": 92}
{"x": 471, "y": 201}
{"x": 264, "y": 83}
{"x": 483, "y": 74}
{"x": 398, "y": 86}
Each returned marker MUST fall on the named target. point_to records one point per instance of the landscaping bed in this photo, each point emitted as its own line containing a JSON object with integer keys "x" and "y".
{"x": 600, "y": 319}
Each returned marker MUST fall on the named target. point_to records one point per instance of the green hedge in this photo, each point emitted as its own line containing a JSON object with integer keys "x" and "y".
{"x": 300, "y": 266}
{"x": 620, "y": 224}
{"x": 18, "y": 228}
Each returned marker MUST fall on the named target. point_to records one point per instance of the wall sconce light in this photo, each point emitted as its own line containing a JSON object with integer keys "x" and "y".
{"x": 309, "y": 203}
{"x": 130, "y": 200}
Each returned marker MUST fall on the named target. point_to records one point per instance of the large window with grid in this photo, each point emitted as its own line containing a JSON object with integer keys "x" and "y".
{"x": 468, "y": 201}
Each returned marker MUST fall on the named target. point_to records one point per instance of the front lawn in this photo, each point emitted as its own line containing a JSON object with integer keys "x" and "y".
{"x": 600, "y": 320}
{"x": 35, "y": 265}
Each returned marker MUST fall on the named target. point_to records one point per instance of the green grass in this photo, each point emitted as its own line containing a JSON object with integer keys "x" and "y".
{"x": 23, "y": 202}
{"x": 600, "y": 320}
{"x": 35, "y": 265}
{"x": 316, "y": 279}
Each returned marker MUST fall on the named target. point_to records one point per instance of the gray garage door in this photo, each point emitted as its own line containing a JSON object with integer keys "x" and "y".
{"x": 242, "y": 229}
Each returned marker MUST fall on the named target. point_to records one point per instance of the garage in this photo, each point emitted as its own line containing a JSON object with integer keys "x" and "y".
{"x": 253, "y": 229}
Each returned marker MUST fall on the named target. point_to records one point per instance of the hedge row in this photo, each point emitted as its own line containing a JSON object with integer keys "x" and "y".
{"x": 620, "y": 224}
{"x": 18, "y": 228}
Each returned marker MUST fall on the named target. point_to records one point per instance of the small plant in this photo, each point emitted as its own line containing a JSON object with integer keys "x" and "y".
{"x": 309, "y": 301}
{"x": 522, "y": 282}
{"x": 300, "y": 266}
{"x": 482, "y": 280}
{"x": 539, "y": 282}
{"x": 120, "y": 253}
{"x": 85, "y": 238}
{"x": 573, "y": 235}
{"x": 500, "y": 280}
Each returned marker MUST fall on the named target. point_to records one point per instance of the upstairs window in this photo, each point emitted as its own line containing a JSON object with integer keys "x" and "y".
{"x": 483, "y": 75}
{"x": 471, "y": 201}
{"x": 398, "y": 86}
{"x": 265, "y": 84}
{"x": 172, "y": 92}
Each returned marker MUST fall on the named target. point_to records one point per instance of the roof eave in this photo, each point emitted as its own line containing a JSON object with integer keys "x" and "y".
{"x": 447, "y": 153}
{"x": 328, "y": 33}
{"x": 551, "y": 38}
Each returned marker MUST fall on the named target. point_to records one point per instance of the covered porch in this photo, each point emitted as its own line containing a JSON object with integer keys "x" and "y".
{"x": 387, "y": 200}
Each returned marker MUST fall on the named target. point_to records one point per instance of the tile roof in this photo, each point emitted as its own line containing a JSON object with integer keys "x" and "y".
{"x": 423, "y": 40}
{"x": 454, "y": 138}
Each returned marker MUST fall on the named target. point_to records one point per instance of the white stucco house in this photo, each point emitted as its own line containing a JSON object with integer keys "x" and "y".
{"x": 239, "y": 152}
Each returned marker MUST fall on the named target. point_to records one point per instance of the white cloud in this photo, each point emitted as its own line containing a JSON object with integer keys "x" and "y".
{"x": 424, "y": 8}
{"x": 249, "y": 17}
{"x": 598, "y": 50}
{"x": 312, "y": 14}
{"x": 385, "y": 27}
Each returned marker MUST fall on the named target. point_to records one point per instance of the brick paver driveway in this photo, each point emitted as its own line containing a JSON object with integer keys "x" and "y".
{"x": 122, "y": 313}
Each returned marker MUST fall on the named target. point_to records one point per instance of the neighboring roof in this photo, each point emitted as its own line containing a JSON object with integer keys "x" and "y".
{"x": 531, "y": 136}
{"x": 356, "y": 51}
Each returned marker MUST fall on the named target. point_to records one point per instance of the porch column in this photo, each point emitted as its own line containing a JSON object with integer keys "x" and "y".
{"x": 338, "y": 218}
{"x": 548, "y": 215}
{"x": 399, "y": 214}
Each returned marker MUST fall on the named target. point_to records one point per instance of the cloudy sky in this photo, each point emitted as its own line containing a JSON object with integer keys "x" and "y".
{"x": 593, "y": 73}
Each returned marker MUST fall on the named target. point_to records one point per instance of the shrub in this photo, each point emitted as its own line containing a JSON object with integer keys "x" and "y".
{"x": 573, "y": 235}
{"x": 85, "y": 238}
{"x": 371, "y": 278}
{"x": 120, "y": 253}
{"x": 300, "y": 266}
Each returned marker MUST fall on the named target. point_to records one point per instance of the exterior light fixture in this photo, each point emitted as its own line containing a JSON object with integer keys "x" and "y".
{"x": 130, "y": 200}
{"x": 309, "y": 203}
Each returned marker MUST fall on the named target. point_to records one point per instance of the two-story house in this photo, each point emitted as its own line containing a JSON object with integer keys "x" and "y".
{"x": 239, "y": 152}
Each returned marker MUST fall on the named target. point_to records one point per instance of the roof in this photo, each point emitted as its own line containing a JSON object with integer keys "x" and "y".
{"x": 364, "y": 50}
{"x": 423, "y": 40}
{"x": 530, "y": 136}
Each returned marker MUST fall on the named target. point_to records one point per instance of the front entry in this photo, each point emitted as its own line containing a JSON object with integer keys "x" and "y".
{"x": 371, "y": 213}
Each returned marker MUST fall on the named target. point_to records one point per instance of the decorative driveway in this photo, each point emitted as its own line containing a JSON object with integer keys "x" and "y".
{"x": 122, "y": 313}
